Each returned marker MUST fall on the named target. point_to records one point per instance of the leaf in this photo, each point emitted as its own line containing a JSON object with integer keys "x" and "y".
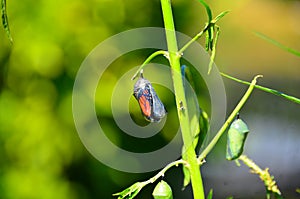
{"x": 211, "y": 43}
{"x": 213, "y": 52}
{"x": 192, "y": 107}
{"x": 220, "y": 16}
{"x": 185, "y": 170}
{"x": 210, "y": 194}
{"x": 195, "y": 128}
{"x": 131, "y": 191}
{"x": 204, "y": 126}
{"x": 208, "y": 10}
{"x": 276, "y": 43}
{"x": 5, "y": 20}
{"x": 187, "y": 88}
{"x": 209, "y": 38}
{"x": 198, "y": 118}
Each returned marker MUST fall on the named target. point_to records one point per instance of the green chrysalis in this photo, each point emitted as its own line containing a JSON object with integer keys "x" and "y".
{"x": 162, "y": 191}
{"x": 237, "y": 134}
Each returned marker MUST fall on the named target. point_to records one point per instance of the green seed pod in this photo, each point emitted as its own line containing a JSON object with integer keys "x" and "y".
{"x": 237, "y": 134}
{"x": 162, "y": 191}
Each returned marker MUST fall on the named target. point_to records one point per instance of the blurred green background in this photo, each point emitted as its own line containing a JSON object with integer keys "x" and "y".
{"x": 41, "y": 155}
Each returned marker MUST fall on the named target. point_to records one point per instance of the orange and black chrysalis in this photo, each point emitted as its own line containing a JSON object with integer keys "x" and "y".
{"x": 151, "y": 106}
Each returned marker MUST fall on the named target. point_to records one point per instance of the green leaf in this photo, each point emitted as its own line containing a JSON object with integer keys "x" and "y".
{"x": 204, "y": 126}
{"x": 276, "y": 43}
{"x": 131, "y": 191}
{"x": 211, "y": 42}
{"x": 5, "y": 20}
{"x": 199, "y": 119}
{"x": 221, "y": 15}
{"x": 230, "y": 197}
{"x": 213, "y": 52}
{"x": 210, "y": 194}
{"x": 185, "y": 170}
{"x": 208, "y": 10}
{"x": 195, "y": 129}
{"x": 209, "y": 38}
{"x": 192, "y": 107}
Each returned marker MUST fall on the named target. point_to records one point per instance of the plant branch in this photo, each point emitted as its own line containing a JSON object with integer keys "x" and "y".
{"x": 229, "y": 120}
{"x": 163, "y": 171}
{"x": 276, "y": 43}
{"x": 195, "y": 38}
{"x": 263, "y": 174}
{"x": 268, "y": 90}
{"x": 135, "y": 188}
{"x": 153, "y": 55}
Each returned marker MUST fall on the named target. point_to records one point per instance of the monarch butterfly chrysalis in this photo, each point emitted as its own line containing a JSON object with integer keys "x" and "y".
{"x": 162, "y": 191}
{"x": 151, "y": 106}
{"x": 237, "y": 134}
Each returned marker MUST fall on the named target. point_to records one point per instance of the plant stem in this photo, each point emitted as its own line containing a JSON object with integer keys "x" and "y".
{"x": 156, "y": 53}
{"x": 276, "y": 43}
{"x": 193, "y": 40}
{"x": 174, "y": 59}
{"x": 229, "y": 120}
{"x": 268, "y": 90}
{"x": 263, "y": 174}
{"x": 163, "y": 171}
{"x": 135, "y": 188}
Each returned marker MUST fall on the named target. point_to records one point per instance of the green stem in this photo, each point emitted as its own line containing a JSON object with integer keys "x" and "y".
{"x": 231, "y": 117}
{"x": 193, "y": 39}
{"x": 156, "y": 53}
{"x": 163, "y": 171}
{"x": 174, "y": 59}
{"x": 135, "y": 188}
{"x": 268, "y": 90}
{"x": 276, "y": 43}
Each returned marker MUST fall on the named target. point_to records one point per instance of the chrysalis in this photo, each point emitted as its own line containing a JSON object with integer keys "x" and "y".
{"x": 151, "y": 106}
{"x": 237, "y": 134}
{"x": 162, "y": 191}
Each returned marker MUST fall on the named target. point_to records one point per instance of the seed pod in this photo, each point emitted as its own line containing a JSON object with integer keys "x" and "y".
{"x": 162, "y": 191}
{"x": 151, "y": 106}
{"x": 237, "y": 134}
